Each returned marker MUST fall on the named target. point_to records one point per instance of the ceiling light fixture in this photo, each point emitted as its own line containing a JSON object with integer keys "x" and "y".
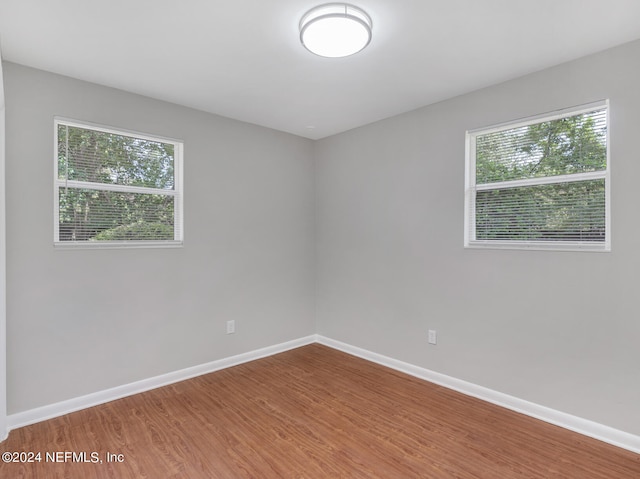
{"x": 335, "y": 30}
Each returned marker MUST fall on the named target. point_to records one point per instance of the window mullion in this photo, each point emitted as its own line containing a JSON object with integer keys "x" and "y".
{"x": 542, "y": 180}
{"x": 89, "y": 185}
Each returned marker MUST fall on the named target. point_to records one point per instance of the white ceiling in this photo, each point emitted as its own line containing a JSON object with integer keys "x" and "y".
{"x": 242, "y": 58}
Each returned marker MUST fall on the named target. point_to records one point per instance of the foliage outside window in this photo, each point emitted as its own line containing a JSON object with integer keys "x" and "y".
{"x": 115, "y": 188}
{"x": 540, "y": 183}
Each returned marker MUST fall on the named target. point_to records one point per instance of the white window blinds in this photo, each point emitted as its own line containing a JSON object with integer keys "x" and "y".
{"x": 541, "y": 182}
{"x": 116, "y": 188}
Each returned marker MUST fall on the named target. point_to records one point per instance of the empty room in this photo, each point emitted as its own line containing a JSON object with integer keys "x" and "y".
{"x": 296, "y": 239}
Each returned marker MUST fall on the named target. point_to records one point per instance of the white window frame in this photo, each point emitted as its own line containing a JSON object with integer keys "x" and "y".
{"x": 177, "y": 191}
{"x": 471, "y": 188}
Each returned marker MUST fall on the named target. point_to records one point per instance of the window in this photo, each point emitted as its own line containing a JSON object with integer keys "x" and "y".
{"x": 541, "y": 183}
{"x": 116, "y": 188}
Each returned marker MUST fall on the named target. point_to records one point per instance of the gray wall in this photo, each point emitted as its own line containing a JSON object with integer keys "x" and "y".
{"x": 83, "y": 321}
{"x": 560, "y": 329}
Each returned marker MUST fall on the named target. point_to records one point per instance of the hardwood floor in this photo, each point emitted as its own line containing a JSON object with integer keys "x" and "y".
{"x": 312, "y": 412}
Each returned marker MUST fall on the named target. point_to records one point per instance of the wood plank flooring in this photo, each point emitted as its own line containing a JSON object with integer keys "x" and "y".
{"x": 312, "y": 412}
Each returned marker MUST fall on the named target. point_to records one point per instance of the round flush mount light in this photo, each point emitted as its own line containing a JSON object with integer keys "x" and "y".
{"x": 335, "y": 30}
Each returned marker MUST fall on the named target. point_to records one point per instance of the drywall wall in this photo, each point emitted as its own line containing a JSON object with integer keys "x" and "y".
{"x": 559, "y": 329}
{"x": 81, "y": 321}
{"x": 3, "y": 285}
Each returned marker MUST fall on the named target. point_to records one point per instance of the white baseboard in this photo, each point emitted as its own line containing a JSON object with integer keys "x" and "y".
{"x": 43, "y": 413}
{"x": 582, "y": 426}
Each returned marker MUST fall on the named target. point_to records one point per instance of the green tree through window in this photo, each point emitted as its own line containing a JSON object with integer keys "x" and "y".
{"x": 115, "y": 187}
{"x": 540, "y": 181}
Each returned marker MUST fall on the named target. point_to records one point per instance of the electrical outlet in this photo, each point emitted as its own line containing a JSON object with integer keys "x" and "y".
{"x": 433, "y": 336}
{"x": 231, "y": 326}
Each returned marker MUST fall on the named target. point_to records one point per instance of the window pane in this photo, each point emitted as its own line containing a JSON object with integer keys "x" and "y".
{"x": 99, "y": 157}
{"x": 575, "y": 144}
{"x": 92, "y": 215}
{"x": 557, "y": 212}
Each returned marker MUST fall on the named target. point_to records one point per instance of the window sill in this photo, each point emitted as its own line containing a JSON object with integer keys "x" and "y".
{"x": 539, "y": 246}
{"x": 76, "y": 245}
